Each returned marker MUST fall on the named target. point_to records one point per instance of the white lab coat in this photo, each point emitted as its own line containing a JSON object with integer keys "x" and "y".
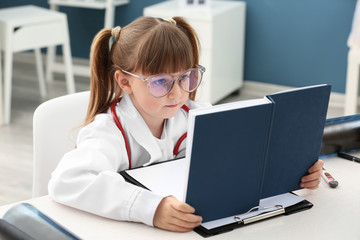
{"x": 87, "y": 177}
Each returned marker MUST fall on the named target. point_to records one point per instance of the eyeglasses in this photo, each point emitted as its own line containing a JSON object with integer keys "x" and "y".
{"x": 161, "y": 84}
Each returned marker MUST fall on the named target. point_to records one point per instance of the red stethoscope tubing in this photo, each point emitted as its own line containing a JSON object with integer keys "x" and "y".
{"x": 127, "y": 145}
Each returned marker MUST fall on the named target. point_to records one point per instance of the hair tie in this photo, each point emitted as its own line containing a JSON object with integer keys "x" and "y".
{"x": 170, "y": 20}
{"x": 115, "y": 32}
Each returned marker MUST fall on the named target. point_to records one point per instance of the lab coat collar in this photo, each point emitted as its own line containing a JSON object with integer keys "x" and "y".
{"x": 134, "y": 125}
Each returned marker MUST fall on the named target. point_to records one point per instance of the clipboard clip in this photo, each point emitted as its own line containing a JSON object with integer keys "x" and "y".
{"x": 242, "y": 217}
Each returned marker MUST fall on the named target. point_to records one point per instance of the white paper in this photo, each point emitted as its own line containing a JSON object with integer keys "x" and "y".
{"x": 164, "y": 178}
{"x": 170, "y": 178}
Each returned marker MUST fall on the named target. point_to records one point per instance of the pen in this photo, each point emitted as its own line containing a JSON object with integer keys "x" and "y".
{"x": 348, "y": 157}
{"x": 329, "y": 179}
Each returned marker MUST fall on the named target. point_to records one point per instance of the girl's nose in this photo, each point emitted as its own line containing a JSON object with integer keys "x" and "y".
{"x": 176, "y": 90}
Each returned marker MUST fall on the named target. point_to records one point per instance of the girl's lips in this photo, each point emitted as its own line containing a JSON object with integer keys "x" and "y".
{"x": 172, "y": 106}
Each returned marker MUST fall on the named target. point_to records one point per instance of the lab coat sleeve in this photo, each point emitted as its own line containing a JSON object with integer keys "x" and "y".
{"x": 87, "y": 177}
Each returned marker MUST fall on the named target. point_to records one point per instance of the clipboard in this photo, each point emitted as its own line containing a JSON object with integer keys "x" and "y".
{"x": 301, "y": 206}
{"x": 137, "y": 176}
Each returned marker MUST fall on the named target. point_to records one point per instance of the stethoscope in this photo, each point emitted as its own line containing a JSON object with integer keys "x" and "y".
{"x": 127, "y": 145}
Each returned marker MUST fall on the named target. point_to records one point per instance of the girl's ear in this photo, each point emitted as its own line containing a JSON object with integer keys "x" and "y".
{"x": 123, "y": 82}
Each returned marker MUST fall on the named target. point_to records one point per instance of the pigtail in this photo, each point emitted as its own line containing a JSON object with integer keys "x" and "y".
{"x": 194, "y": 40}
{"x": 102, "y": 85}
{"x": 190, "y": 32}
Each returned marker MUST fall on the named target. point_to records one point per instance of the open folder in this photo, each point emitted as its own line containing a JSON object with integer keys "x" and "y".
{"x": 169, "y": 178}
{"x": 241, "y": 154}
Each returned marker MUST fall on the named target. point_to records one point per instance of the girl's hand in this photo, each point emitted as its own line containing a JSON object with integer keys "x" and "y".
{"x": 312, "y": 180}
{"x": 173, "y": 215}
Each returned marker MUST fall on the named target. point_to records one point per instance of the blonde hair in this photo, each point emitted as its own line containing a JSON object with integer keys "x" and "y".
{"x": 149, "y": 45}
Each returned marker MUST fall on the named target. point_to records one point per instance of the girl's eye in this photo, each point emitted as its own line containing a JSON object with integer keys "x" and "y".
{"x": 159, "y": 81}
{"x": 184, "y": 77}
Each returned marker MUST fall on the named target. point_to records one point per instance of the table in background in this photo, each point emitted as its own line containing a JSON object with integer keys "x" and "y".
{"x": 108, "y": 6}
{"x": 334, "y": 216}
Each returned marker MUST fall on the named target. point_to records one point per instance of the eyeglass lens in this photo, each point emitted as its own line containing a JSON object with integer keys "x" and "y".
{"x": 160, "y": 85}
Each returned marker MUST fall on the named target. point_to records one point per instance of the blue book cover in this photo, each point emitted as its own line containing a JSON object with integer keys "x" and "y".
{"x": 296, "y": 135}
{"x": 242, "y": 155}
{"x": 227, "y": 158}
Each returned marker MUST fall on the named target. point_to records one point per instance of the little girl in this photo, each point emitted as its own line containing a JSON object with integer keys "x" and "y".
{"x": 141, "y": 90}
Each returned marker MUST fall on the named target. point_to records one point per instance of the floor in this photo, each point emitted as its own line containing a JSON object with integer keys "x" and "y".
{"x": 16, "y": 138}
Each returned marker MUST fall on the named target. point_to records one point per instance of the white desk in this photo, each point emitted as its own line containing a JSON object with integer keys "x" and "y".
{"x": 335, "y": 215}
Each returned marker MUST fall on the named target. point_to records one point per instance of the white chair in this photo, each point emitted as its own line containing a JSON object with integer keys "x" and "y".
{"x": 31, "y": 28}
{"x": 55, "y": 127}
{"x": 1, "y": 95}
{"x": 352, "y": 81}
{"x": 353, "y": 71}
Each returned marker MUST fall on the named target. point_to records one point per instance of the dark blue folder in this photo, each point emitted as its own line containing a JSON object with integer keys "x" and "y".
{"x": 242, "y": 155}
{"x": 296, "y": 135}
{"x": 24, "y": 221}
{"x": 225, "y": 161}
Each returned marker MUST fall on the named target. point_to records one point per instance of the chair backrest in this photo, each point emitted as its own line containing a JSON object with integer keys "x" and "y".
{"x": 55, "y": 127}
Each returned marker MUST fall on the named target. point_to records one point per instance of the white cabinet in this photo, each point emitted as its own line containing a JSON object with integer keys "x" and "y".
{"x": 221, "y": 30}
